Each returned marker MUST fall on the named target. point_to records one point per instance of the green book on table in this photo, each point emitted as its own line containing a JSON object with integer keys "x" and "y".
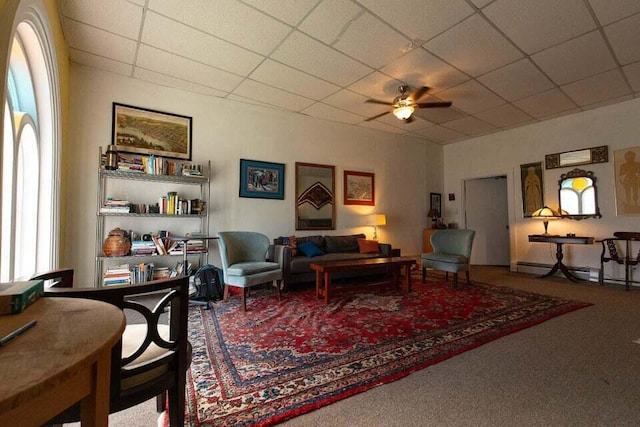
{"x": 16, "y": 296}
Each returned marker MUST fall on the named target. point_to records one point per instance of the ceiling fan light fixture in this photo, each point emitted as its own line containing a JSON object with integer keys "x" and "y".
{"x": 403, "y": 112}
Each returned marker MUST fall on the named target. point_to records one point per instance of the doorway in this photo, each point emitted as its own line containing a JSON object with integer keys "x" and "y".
{"x": 487, "y": 212}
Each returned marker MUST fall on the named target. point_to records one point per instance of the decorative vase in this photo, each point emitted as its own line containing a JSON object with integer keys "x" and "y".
{"x": 117, "y": 243}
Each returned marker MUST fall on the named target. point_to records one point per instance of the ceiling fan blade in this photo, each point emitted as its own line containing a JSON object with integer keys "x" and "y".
{"x": 443, "y": 104}
{"x": 419, "y": 93}
{"x": 375, "y": 117}
{"x": 375, "y": 101}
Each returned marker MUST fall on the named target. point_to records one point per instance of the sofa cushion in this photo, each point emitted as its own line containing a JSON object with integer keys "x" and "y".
{"x": 368, "y": 246}
{"x": 317, "y": 240}
{"x": 310, "y": 249}
{"x": 340, "y": 244}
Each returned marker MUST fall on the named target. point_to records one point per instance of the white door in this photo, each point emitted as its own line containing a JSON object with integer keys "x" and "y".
{"x": 486, "y": 212}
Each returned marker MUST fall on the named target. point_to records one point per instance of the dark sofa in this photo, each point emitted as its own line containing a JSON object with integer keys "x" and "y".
{"x": 335, "y": 248}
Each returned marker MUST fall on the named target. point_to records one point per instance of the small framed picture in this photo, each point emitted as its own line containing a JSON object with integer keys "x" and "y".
{"x": 436, "y": 202}
{"x": 262, "y": 180}
{"x": 359, "y": 188}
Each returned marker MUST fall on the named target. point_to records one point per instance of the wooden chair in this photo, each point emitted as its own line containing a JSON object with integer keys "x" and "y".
{"x": 622, "y": 255}
{"x": 151, "y": 358}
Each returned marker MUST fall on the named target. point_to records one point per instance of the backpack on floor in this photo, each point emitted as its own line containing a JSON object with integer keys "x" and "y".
{"x": 208, "y": 282}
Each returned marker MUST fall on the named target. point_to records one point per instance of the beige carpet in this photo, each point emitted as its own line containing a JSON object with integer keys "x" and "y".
{"x": 582, "y": 368}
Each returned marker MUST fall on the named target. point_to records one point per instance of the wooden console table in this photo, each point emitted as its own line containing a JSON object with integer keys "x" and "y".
{"x": 324, "y": 269}
{"x": 65, "y": 358}
{"x": 559, "y": 241}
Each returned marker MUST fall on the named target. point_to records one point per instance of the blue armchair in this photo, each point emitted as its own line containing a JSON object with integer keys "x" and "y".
{"x": 451, "y": 253}
{"x": 243, "y": 255}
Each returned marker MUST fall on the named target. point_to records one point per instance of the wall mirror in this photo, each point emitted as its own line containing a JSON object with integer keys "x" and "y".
{"x": 578, "y": 195}
{"x": 315, "y": 197}
{"x": 577, "y": 157}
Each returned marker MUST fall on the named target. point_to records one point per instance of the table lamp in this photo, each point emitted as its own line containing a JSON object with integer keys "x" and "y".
{"x": 546, "y": 213}
{"x": 375, "y": 220}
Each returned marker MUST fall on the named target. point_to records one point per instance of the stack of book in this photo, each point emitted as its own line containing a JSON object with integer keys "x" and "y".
{"x": 119, "y": 275}
{"x": 130, "y": 163}
{"x": 143, "y": 247}
{"x": 160, "y": 273}
{"x": 16, "y": 296}
{"x": 112, "y": 205}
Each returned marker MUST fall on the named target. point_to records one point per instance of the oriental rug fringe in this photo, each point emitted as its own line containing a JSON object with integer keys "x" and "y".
{"x": 280, "y": 360}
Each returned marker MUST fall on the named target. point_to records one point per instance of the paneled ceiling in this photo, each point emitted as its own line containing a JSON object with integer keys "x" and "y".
{"x": 503, "y": 63}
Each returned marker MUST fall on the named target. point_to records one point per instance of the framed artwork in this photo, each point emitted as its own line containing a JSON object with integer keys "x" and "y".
{"x": 262, "y": 180}
{"x": 626, "y": 164}
{"x": 532, "y": 188}
{"x": 315, "y": 197}
{"x": 149, "y": 132}
{"x": 435, "y": 202}
{"x": 359, "y": 188}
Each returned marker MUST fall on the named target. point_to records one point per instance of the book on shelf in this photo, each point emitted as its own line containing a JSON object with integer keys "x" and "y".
{"x": 16, "y": 296}
{"x": 118, "y": 275}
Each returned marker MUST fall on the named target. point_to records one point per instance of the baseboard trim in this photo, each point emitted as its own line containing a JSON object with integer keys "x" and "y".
{"x": 584, "y": 273}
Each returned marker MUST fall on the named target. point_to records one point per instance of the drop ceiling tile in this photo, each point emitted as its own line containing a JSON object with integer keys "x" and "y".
{"x": 164, "y": 80}
{"x": 597, "y": 88}
{"x": 517, "y": 80}
{"x": 610, "y": 101}
{"x": 99, "y": 42}
{"x": 381, "y": 126}
{"x": 624, "y": 37}
{"x": 172, "y": 65}
{"x": 138, "y": 2}
{"x": 609, "y": 11}
{"x": 245, "y": 100}
{"x": 420, "y": 68}
{"x": 471, "y": 97}
{"x": 291, "y": 80}
{"x": 439, "y": 115}
{"x": 323, "y": 111}
{"x": 440, "y": 134}
{"x": 356, "y": 41}
{"x": 302, "y": 52}
{"x": 420, "y": 19}
{"x": 100, "y": 62}
{"x": 545, "y": 104}
{"x": 223, "y": 18}
{"x": 354, "y": 102}
{"x": 289, "y": 11}
{"x": 328, "y": 20}
{"x": 576, "y": 59}
{"x": 378, "y": 86}
{"x": 504, "y": 116}
{"x": 481, "y": 3}
{"x": 270, "y": 95}
{"x": 116, "y": 16}
{"x": 527, "y": 22}
{"x": 188, "y": 42}
{"x": 632, "y": 72}
{"x": 470, "y": 126}
{"x": 474, "y": 47}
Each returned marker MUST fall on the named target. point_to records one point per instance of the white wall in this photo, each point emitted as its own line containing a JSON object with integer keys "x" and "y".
{"x": 225, "y": 131}
{"x": 617, "y": 126}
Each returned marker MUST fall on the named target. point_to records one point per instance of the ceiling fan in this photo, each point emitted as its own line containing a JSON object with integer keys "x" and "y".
{"x": 405, "y": 104}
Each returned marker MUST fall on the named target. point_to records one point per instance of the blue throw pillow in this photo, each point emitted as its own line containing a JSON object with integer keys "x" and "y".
{"x": 309, "y": 249}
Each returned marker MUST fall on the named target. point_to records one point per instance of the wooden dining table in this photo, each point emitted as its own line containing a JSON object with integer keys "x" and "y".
{"x": 63, "y": 359}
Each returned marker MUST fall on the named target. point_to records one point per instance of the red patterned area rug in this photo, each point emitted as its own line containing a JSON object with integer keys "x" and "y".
{"x": 280, "y": 360}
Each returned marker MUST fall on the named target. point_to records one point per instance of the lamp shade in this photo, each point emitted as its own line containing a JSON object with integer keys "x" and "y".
{"x": 377, "y": 219}
{"x": 403, "y": 112}
{"x": 433, "y": 213}
{"x": 545, "y": 212}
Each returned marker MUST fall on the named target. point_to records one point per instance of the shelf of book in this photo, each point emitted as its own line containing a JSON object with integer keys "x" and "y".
{"x": 170, "y": 203}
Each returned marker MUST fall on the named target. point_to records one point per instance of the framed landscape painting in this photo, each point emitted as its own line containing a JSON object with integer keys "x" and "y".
{"x": 359, "y": 188}
{"x": 262, "y": 180}
{"x": 149, "y": 132}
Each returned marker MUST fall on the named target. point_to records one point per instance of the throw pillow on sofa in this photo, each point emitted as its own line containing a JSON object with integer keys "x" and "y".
{"x": 338, "y": 244}
{"x": 368, "y": 246}
{"x": 310, "y": 249}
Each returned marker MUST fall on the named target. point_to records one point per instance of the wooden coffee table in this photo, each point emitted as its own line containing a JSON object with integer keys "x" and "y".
{"x": 395, "y": 265}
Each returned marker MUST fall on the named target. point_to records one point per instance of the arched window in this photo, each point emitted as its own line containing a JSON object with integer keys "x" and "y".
{"x": 30, "y": 159}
